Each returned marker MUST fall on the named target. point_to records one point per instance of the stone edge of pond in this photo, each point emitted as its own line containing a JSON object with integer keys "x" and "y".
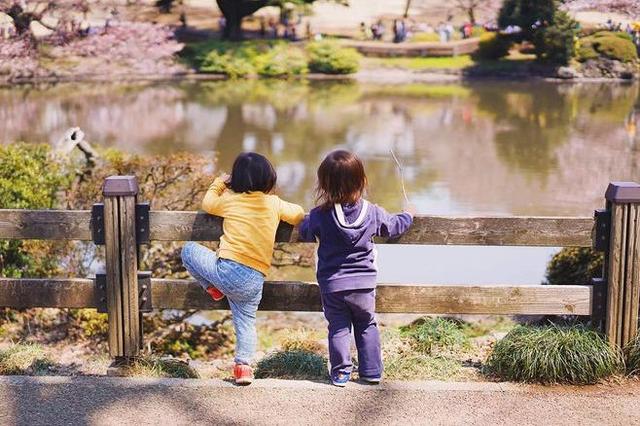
{"x": 369, "y": 75}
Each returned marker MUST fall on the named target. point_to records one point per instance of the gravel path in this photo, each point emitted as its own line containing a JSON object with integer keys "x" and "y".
{"x": 118, "y": 401}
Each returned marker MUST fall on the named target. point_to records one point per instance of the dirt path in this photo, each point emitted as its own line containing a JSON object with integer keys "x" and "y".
{"x": 111, "y": 401}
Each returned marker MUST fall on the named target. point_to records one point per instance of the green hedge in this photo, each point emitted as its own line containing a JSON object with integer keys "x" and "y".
{"x": 271, "y": 59}
{"x": 327, "y": 57}
{"x": 281, "y": 61}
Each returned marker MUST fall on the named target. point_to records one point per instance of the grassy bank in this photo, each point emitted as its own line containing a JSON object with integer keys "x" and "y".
{"x": 516, "y": 63}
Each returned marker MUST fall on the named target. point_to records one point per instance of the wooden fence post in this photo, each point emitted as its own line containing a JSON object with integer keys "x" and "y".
{"x": 122, "y": 266}
{"x": 622, "y": 263}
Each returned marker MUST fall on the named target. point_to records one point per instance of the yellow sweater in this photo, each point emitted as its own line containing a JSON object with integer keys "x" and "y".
{"x": 250, "y": 223}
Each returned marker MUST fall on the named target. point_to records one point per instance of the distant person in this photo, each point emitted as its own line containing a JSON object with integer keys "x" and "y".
{"x": 399, "y": 31}
{"x": 344, "y": 224}
{"x": 251, "y": 214}
{"x": 467, "y": 30}
{"x": 449, "y": 31}
{"x": 308, "y": 31}
{"x": 378, "y": 30}
{"x": 363, "y": 31}
{"x": 263, "y": 27}
{"x": 442, "y": 32}
{"x": 273, "y": 27}
{"x": 222, "y": 24}
{"x": 396, "y": 31}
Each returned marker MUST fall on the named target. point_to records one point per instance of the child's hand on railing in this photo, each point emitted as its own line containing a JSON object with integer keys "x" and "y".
{"x": 226, "y": 178}
{"x": 410, "y": 208}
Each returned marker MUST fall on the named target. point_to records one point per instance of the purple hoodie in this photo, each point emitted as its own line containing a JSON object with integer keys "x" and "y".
{"x": 346, "y": 253}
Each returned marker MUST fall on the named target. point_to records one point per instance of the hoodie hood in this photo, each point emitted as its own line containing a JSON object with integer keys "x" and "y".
{"x": 352, "y": 220}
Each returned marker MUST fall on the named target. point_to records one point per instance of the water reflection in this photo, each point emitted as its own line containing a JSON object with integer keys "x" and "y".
{"x": 485, "y": 147}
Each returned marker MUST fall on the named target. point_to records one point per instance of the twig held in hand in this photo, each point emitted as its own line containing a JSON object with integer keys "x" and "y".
{"x": 401, "y": 171}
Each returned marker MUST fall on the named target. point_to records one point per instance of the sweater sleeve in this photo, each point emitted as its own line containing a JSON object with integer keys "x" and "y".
{"x": 290, "y": 213}
{"x": 305, "y": 231}
{"x": 213, "y": 200}
{"x": 391, "y": 225}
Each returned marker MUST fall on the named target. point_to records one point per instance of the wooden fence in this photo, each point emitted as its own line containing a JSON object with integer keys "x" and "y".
{"x": 124, "y": 292}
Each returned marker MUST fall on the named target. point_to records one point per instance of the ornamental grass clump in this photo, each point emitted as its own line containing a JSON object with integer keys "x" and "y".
{"x": 430, "y": 335}
{"x": 24, "y": 359}
{"x": 153, "y": 366}
{"x": 553, "y": 354}
{"x": 632, "y": 355}
{"x": 296, "y": 364}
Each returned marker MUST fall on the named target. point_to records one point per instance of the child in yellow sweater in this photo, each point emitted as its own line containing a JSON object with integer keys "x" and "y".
{"x": 251, "y": 216}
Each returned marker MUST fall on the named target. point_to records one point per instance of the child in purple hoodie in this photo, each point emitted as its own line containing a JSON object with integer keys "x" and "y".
{"x": 344, "y": 224}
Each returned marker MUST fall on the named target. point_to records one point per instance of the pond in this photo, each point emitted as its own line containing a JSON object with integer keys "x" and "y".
{"x": 499, "y": 148}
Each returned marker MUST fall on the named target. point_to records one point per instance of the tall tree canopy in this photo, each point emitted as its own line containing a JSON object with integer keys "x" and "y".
{"x": 52, "y": 14}
{"x": 235, "y": 10}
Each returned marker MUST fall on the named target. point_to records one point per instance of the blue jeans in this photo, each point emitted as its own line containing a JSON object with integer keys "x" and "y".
{"x": 241, "y": 284}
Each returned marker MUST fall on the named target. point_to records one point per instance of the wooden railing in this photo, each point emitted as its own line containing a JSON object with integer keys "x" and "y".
{"x": 124, "y": 292}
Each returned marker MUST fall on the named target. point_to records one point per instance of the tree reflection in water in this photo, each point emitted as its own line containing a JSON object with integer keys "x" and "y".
{"x": 481, "y": 147}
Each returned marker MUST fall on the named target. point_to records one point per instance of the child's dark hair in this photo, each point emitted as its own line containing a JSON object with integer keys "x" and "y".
{"x": 252, "y": 172}
{"x": 341, "y": 179}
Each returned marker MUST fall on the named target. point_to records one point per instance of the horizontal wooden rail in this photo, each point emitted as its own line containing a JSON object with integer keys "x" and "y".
{"x": 45, "y": 224}
{"x": 300, "y": 296}
{"x": 199, "y": 226}
{"x": 435, "y": 230}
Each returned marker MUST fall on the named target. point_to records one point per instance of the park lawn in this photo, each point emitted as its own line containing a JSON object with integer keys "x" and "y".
{"x": 421, "y": 63}
{"x": 515, "y": 61}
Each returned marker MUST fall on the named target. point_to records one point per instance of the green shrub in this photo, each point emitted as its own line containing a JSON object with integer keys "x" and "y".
{"x": 632, "y": 355}
{"x": 24, "y": 359}
{"x": 616, "y": 48}
{"x": 585, "y": 50}
{"x": 556, "y": 43}
{"x": 478, "y": 31}
{"x": 493, "y": 46}
{"x": 429, "y": 335}
{"x": 553, "y": 354}
{"x": 282, "y": 60}
{"x": 620, "y": 34}
{"x": 298, "y": 364}
{"x": 609, "y": 45}
{"x": 29, "y": 179}
{"x": 328, "y": 57}
{"x": 233, "y": 63}
{"x": 574, "y": 265}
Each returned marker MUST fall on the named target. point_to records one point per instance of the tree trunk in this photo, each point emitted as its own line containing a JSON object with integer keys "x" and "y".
{"x": 21, "y": 19}
{"x": 472, "y": 15}
{"x": 234, "y": 11}
{"x": 406, "y": 8}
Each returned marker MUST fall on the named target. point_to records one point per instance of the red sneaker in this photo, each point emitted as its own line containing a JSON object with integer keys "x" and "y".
{"x": 215, "y": 294}
{"x": 243, "y": 374}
